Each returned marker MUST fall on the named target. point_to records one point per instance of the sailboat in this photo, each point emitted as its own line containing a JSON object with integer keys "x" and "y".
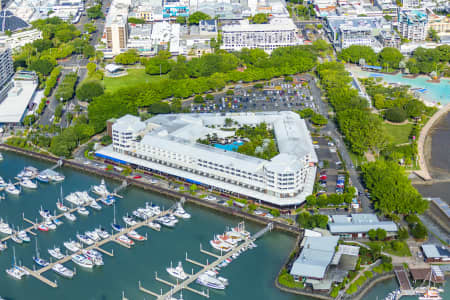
{"x": 39, "y": 261}
{"x": 60, "y": 205}
{"x": 16, "y": 271}
{"x": 114, "y": 225}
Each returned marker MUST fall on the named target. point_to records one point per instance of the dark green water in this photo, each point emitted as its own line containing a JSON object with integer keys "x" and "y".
{"x": 251, "y": 276}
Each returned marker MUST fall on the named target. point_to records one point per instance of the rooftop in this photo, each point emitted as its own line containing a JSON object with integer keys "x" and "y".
{"x": 433, "y": 251}
{"x": 274, "y": 24}
{"x": 359, "y": 223}
{"x": 13, "y": 108}
{"x": 10, "y": 22}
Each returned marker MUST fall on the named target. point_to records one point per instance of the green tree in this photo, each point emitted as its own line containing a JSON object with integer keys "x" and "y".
{"x": 260, "y": 18}
{"x": 403, "y": 233}
{"x": 433, "y": 35}
{"x": 196, "y": 17}
{"x": 95, "y": 12}
{"x": 181, "y": 20}
{"x": 372, "y": 233}
{"x": 127, "y": 58}
{"x": 133, "y": 20}
{"x": 42, "y": 66}
{"x": 381, "y": 234}
{"x": 318, "y": 119}
{"x": 157, "y": 65}
{"x": 390, "y": 56}
{"x": 58, "y": 110}
{"x": 42, "y": 44}
{"x": 88, "y": 90}
{"x": 396, "y": 115}
{"x": 419, "y": 231}
{"x": 89, "y": 27}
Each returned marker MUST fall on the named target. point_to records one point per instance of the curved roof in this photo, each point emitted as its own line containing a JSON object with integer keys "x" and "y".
{"x": 10, "y": 22}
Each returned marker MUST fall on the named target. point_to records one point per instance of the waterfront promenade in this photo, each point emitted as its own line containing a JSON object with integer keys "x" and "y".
{"x": 424, "y": 172}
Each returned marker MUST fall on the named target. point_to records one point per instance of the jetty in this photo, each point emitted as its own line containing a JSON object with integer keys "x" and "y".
{"x": 403, "y": 280}
{"x": 184, "y": 285}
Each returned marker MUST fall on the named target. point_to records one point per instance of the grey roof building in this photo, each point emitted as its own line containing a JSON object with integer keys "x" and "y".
{"x": 316, "y": 255}
{"x": 358, "y": 225}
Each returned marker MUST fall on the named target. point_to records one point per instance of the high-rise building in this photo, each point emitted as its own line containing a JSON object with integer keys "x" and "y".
{"x": 410, "y": 3}
{"x": 6, "y": 71}
{"x": 117, "y": 33}
{"x": 413, "y": 24}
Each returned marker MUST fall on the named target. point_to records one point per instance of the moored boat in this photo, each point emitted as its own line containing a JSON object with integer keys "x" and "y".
{"x": 84, "y": 239}
{"x": 72, "y": 246}
{"x": 56, "y": 253}
{"x": 177, "y": 272}
{"x": 70, "y": 216}
{"x": 83, "y": 211}
{"x": 82, "y": 261}
{"x": 135, "y": 236}
{"x": 28, "y": 183}
{"x": 124, "y": 239}
{"x": 210, "y": 282}
{"x": 63, "y": 271}
{"x": 4, "y": 227}
{"x": 11, "y": 189}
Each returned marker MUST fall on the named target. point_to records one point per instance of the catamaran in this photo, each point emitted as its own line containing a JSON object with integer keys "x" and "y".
{"x": 16, "y": 271}
{"x": 177, "y": 272}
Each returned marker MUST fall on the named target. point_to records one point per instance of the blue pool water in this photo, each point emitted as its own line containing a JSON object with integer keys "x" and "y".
{"x": 229, "y": 147}
{"x": 434, "y": 92}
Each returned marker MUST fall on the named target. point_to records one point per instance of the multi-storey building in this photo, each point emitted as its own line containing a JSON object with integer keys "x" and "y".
{"x": 116, "y": 29}
{"x": 439, "y": 23}
{"x": 280, "y": 32}
{"x": 410, "y": 3}
{"x": 168, "y": 144}
{"x": 20, "y": 38}
{"x": 413, "y": 24}
{"x": 6, "y": 71}
{"x": 390, "y": 38}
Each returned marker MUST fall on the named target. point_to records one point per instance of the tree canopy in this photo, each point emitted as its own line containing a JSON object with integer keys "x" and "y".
{"x": 260, "y": 18}
{"x": 89, "y": 90}
{"x": 95, "y": 12}
{"x": 391, "y": 190}
{"x": 127, "y": 58}
{"x": 196, "y": 17}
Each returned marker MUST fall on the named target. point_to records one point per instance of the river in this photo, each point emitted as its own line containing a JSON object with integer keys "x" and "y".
{"x": 251, "y": 276}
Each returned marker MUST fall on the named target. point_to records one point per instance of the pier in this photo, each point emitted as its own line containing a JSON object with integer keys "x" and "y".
{"x": 184, "y": 285}
{"x": 97, "y": 246}
{"x": 403, "y": 280}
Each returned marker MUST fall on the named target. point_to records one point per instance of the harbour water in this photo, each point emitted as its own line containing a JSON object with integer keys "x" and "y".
{"x": 251, "y": 275}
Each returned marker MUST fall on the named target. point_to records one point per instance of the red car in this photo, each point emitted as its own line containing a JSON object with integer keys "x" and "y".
{"x": 323, "y": 177}
{"x": 137, "y": 177}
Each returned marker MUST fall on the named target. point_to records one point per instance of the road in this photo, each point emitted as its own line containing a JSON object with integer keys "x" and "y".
{"x": 331, "y": 130}
{"x": 75, "y": 63}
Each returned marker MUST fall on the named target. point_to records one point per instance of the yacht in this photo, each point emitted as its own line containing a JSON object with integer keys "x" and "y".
{"x": 43, "y": 227}
{"x": 109, "y": 200}
{"x": 154, "y": 226}
{"x": 2, "y": 182}
{"x": 28, "y": 183}
{"x": 138, "y": 213}
{"x": 125, "y": 240}
{"x": 102, "y": 233}
{"x": 94, "y": 256}
{"x": 57, "y": 177}
{"x": 60, "y": 206}
{"x": 210, "y": 282}
{"x": 84, "y": 239}
{"x": 3, "y": 246}
{"x": 16, "y": 239}
{"x": 181, "y": 213}
{"x": 430, "y": 295}
{"x": 4, "y": 227}
{"x": 42, "y": 178}
{"x": 83, "y": 211}
{"x": 63, "y": 271}
{"x": 129, "y": 221}
{"x": 74, "y": 199}
{"x": 214, "y": 274}
{"x": 241, "y": 230}
{"x": 56, "y": 253}
{"x": 166, "y": 222}
{"x": 101, "y": 189}
{"x": 11, "y": 189}
{"x": 227, "y": 239}
{"x": 72, "y": 246}
{"x": 177, "y": 272}
{"x": 82, "y": 261}
{"x": 234, "y": 236}
{"x": 69, "y": 216}
{"x": 135, "y": 236}
{"x": 219, "y": 245}
{"x": 93, "y": 236}
{"x": 45, "y": 213}
{"x": 95, "y": 205}
{"x": 50, "y": 225}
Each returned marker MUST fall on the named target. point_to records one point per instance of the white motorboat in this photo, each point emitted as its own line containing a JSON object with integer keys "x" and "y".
{"x": 135, "y": 236}
{"x": 129, "y": 221}
{"x": 102, "y": 233}
{"x": 95, "y": 205}
{"x": 45, "y": 213}
{"x": 74, "y": 199}
{"x": 227, "y": 239}
{"x": 3, "y": 246}
{"x": 101, "y": 189}
{"x": 241, "y": 230}
{"x": 23, "y": 235}
{"x": 234, "y": 235}
{"x": 94, "y": 256}
{"x": 57, "y": 177}
{"x": 124, "y": 239}
{"x": 2, "y": 182}
{"x": 177, "y": 272}
{"x": 93, "y": 236}
{"x": 166, "y": 222}
{"x": 210, "y": 282}
{"x": 108, "y": 200}
{"x": 43, "y": 178}
{"x": 219, "y": 245}
{"x": 72, "y": 246}
{"x": 63, "y": 271}
{"x": 82, "y": 261}
{"x": 70, "y": 217}
{"x": 28, "y": 183}
{"x": 50, "y": 225}
{"x": 60, "y": 206}
{"x": 16, "y": 239}
{"x": 84, "y": 239}
{"x": 57, "y": 221}
{"x": 4, "y": 227}
{"x": 214, "y": 274}
{"x": 83, "y": 211}
{"x": 181, "y": 213}
{"x": 56, "y": 253}
{"x": 172, "y": 218}
{"x": 11, "y": 189}
{"x": 154, "y": 226}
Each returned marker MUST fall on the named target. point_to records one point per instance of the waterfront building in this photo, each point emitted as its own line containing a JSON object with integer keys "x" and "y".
{"x": 390, "y": 38}
{"x": 314, "y": 258}
{"x": 20, "y": 38}
{"x": 413, "y": 24}
{"x": 16, "y": 104}
{"x": 168, "y": 144}
{"x": 436, "y": 254}
{"x": 358, "y": 225}
{"x": 6, "y": 71}
{"x": 346, "y": 31}
{"x": 279, "y": 32}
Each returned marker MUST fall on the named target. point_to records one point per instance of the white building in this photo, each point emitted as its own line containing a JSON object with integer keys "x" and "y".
{"x": 413, "y": 24}
{"x": 168, "y": 144}
{"x": 6, "y": 71}
{"x": 279, "y": 32}
{"x": 20, "y": 38}
{"x": 410, "y": 3}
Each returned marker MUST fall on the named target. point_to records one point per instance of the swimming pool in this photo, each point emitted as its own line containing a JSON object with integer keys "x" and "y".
{"x": 434, "y": 92}
{"x": 229, "y": 147}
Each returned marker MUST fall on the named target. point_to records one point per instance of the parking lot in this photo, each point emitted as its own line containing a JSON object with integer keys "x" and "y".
{"x": 274, "y": 96}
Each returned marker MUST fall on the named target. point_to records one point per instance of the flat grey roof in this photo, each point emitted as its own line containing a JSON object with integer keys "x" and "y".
{"x": 359, "y": 223}
{"x": 433, "y": 251}
{"x": 13, "y": 108}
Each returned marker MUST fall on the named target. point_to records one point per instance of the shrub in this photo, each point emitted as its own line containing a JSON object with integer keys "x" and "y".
{"x": 198, "y": 99}
{"x": 335, "y": 292}
{"x": 287, "y": 280}
{"x": 396, "y": 115}
{"x": 368, "y": 274}
{"x": 360, "y": 281}
{"x": 352, "y": 289}
{"x": 378, "y": 269}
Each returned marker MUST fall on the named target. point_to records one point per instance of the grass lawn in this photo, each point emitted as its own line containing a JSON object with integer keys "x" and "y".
{"x": 135, "y": 77}
{"x": 402, "y": 250}
{"x": 398, "y": 133}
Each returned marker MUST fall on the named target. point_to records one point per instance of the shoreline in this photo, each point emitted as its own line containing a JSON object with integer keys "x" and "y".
{"x": 156, "y": 189}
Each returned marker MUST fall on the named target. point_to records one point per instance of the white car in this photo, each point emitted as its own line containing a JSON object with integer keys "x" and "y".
{"x": 269, "y": 216}
{"x": 153, "y": 181}
{"x": 210, "y": 198}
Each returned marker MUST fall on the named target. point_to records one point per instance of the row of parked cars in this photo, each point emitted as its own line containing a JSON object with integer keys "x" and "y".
{"x": 340, "y": 184}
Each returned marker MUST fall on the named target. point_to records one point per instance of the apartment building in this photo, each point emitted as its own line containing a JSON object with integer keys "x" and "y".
{"x": 389, "y": 38}
{"x": 20, "y": 38}
{"x": 116, "y": 33}
{"x": 6, "y": 71}
{"x": 410, "y": 3}
{"x": 168, "y": 144}
{"x": 413, "y": 24}
{"x": 279, "y": 32}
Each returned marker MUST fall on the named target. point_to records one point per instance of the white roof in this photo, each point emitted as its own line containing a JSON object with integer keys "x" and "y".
{"x": 113, "y": 68}
{"x": 275, "y": 24}
{"x": 13, "y": 108}
{"x": 359, "y": 223}
{"x": 129, "y": 123}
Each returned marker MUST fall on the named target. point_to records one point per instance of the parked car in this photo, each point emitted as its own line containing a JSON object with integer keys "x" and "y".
{"x": 137, "y": 177}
